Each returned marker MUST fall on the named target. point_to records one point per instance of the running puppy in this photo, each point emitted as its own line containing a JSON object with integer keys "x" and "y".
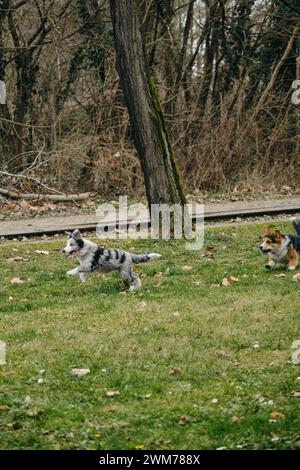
{"x": 92, "y": 257}
{"x": 283, "y": 249}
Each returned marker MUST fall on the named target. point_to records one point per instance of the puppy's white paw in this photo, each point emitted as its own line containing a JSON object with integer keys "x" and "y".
{"x": 72, "y": 272}
{"x": 291, "y": 268}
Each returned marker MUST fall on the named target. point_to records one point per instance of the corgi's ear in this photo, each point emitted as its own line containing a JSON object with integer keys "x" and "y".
{"x": 76, "y": 234}
{"x": 266, "y": 231}
{"x": 277, "y": 234}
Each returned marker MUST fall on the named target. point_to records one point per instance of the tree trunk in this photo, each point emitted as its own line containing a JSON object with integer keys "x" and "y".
{"x": 150, "y": 136}
{"x": 7, "y": 136}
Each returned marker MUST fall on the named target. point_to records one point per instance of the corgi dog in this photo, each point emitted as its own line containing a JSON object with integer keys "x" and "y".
{"x": 280, "y": 248}
{"x": 92, "y": 257}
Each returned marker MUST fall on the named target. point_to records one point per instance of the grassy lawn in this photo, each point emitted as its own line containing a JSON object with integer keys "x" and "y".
{"x": 195, "y": 365}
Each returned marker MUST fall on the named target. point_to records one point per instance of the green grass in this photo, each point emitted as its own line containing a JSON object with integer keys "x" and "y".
{"x": 131, "y": 342}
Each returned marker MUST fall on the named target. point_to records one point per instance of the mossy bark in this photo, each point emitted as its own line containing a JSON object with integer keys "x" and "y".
{"x": 151, "y": 139}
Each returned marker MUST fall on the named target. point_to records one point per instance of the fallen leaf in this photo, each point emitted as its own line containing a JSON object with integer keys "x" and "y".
{"x": 142, "y": 305}
{"x": 280, "y": 275}
{"x": 42, "y": 252}
{"x": 184, "y": 420}
{"x": 176, "y": 314}
{"x": 236, "y": 419}
{"x": 277, "y": 415}
{"x": 186, "y": 268}
{"x": 4, "y": 408}
{"x": 139, "y": 447}
{"x": 80, "y": 372}
{"x": 158, "y": 274}
{"x": 221, "y": 353}
{"x": 214, "y": 286}
{"x": 33, "y": 412}
{"x": 226, "y": 281}
{"x": 112, "y": 393}
{"x": 15, "y": 259}
{"x": 16, "y": 280}
{"x": 222, "y": 236}
{"x": 175, "y": 370}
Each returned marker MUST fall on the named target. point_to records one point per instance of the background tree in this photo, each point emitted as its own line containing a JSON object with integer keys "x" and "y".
{"x": 147, "y": 123}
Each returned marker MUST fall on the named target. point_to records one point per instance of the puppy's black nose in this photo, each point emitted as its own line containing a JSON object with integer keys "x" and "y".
{"x": 63, "y": 251}
{"x": 261, "y": 248}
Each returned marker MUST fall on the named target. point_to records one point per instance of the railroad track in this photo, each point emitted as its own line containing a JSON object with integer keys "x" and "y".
{"x": 88, "y": 222}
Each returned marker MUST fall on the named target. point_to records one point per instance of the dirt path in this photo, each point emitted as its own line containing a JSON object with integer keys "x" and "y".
{"x": 213, "y": 212}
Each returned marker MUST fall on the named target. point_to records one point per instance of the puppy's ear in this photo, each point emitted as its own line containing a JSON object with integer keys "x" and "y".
{"x": 266, "y": 231}
{"x": 277, "y": 234}
{"x": 68, "y": 233}
{"x": 76, "y": 234}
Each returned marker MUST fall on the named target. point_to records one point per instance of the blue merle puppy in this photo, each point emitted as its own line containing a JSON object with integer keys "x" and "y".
{"x": 93, "y": 257}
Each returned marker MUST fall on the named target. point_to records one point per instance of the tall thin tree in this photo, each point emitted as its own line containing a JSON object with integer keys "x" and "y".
{"x": 151, "y": 139}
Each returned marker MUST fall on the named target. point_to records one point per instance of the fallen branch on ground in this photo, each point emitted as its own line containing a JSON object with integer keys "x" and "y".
{"x": 50, "y": 197}
{"x": 59, "y": 196}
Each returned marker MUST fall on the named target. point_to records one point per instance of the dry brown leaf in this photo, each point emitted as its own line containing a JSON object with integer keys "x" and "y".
{"x": 236, "y": 362}
{"x": 16, "y": 280}
{"x": 226, "y": 281}
{"x": 236, "y": 419}
{"x": 142, "y": 305}
{"x": 277, "y": 415}
{"x": 221, "y": 353}
{"x": 42, "y": 252}
{"x": 15, "y": 259}
{"x": 112, "y": 393}
{"x": 80, "y": 372}
{"x": 184, "y": 420}
{"x": 175, "y": 370}
{"x": 4, "y": 408}
{"x": 186, "y": 268}
{"x": 176, "y": 314}
{"x": 158, "y": 274}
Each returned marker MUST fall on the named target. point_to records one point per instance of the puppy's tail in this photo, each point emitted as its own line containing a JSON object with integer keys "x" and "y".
{"x": 296, "y": 223}
{"x": 144, "y": 258}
